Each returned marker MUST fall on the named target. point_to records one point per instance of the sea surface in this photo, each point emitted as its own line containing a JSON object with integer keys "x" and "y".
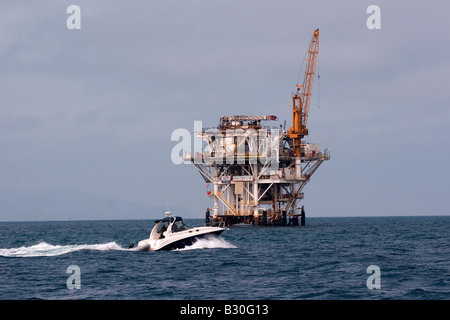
{"x": 326, "y": 259}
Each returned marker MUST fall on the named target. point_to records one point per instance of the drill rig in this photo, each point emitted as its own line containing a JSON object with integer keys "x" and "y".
{"x": 258, "y": 173}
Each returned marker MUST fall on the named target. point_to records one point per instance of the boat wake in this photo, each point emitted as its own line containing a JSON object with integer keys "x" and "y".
{"x": 208, "y": 243}
{"x": 44, "y": 249}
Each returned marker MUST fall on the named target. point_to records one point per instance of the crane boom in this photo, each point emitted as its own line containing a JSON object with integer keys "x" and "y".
{"x": 301, "y": 101}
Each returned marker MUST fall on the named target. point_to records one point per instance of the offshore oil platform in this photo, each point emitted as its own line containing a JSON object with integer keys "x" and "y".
{"x": 258, "y": 172}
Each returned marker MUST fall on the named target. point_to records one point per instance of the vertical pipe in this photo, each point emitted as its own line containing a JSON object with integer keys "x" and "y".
{"x": 275, "y": 197}
{"x": 302, "y": 216}
{"x": 255, "y": 190}
{"x": 216, "y": 199}
{"x": 294, "y": 200}
{"x": 298, "y": 168}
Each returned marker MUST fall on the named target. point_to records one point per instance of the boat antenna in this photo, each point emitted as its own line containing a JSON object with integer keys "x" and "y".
{"x": 167, "y": 205}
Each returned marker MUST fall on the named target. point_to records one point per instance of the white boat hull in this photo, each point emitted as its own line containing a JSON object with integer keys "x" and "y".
{"x": 179, "y": 240}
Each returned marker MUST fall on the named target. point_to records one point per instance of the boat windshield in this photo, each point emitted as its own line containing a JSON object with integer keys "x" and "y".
{"x": 180, "y": 226}
{"x": 162, "y": 227}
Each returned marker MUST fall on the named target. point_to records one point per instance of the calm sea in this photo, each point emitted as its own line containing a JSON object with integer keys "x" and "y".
{"x": 407, "y": 257}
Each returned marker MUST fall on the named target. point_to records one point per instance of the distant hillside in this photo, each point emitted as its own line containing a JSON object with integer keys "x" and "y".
{"x": 37, "y": 205}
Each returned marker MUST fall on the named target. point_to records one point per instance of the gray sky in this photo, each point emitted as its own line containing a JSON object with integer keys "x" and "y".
{"x": 93, "y": 109}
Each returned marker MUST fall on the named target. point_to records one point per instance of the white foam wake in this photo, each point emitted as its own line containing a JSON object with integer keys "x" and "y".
{"x": 209, "y": 243}
{"x": 44, "y": 249}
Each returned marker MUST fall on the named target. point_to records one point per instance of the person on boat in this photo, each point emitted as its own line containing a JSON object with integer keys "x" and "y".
{"x": 207, "y": 216}
{"x": 163, "y": 229}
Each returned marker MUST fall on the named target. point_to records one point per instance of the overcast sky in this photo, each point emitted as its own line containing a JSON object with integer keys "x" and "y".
{"x": 93, "y": 109}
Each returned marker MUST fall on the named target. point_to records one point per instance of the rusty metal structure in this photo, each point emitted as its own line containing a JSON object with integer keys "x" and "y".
{"x": 258, "y": 172}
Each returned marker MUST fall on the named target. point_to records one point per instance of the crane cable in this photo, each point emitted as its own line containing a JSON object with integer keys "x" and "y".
{"x": 318, "y": 81}
{"x": 301, "y": 68}
{"x": 318, "y": 76}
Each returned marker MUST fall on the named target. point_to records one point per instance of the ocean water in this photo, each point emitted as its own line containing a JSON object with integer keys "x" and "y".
{"x": 326, "y": 259}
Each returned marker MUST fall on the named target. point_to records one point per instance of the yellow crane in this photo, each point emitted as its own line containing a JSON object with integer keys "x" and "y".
{"x": 301, "y": 100}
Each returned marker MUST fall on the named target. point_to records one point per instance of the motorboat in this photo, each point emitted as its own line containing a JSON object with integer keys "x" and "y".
{"x": 171, "y": 232}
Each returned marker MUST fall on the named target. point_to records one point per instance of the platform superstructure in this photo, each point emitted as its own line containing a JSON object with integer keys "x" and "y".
{"x": 258, "y": 171}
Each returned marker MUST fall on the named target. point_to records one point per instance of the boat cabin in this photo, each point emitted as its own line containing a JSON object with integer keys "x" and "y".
{"x": 167, "y": 224}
